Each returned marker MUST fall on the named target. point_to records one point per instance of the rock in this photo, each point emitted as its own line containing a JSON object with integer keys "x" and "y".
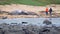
{"x": 47, "y": 22}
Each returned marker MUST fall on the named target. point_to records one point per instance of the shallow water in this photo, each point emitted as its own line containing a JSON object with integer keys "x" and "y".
{"x": 37, "y": 21}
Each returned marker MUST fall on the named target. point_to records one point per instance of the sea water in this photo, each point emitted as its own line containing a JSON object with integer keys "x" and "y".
{"x": 36, "y": 21}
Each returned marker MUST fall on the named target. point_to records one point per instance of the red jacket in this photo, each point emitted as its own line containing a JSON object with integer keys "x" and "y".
{"x": 46, "y": 10}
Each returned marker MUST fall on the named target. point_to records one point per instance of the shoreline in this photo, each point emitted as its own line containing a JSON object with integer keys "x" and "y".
{"x": 26, "y": 8}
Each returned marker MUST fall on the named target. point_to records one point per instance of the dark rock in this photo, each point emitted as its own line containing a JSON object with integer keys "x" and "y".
{"x": 4, "y": 17}
{"x": 47, "y": 22}
{"x": 24, "y": 22}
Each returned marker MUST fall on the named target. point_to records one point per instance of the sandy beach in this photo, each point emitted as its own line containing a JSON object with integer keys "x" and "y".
{"x": 27, "y": 8}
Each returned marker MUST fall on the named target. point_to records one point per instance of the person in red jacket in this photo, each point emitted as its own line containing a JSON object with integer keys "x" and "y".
{"x": 46, "y": 10}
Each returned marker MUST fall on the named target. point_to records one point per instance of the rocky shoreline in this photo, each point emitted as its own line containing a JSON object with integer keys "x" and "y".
{"x": 40, "y": 15}
{"x": 24, "y": 28}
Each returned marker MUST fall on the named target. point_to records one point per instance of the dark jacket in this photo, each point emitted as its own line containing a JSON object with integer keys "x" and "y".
{"x": 50, "y": 10}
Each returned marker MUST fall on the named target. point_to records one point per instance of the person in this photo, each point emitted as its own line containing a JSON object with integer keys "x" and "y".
{"x": 50, "y": 11}
{"x": 46, "y": 11}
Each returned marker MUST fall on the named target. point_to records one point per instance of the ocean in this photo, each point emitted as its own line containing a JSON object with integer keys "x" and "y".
{"x": 35, "y": 21}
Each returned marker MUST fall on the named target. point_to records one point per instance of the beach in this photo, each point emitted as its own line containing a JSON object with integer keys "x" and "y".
{"x": 39, "y": 10}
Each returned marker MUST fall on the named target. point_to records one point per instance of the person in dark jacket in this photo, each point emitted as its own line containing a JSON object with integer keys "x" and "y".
{"x": 50, "y": 11}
